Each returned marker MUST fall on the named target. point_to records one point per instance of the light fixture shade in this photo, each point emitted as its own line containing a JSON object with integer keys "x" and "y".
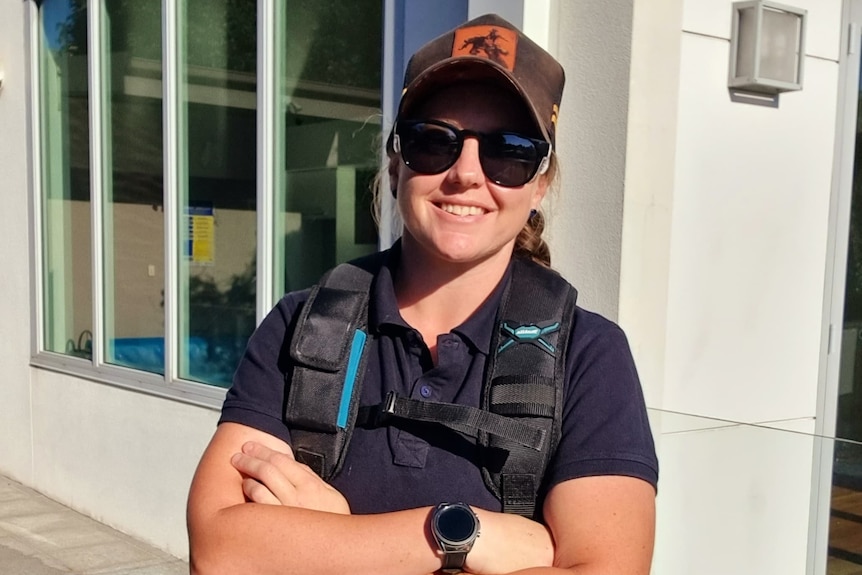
{"x": 767, "y": 47}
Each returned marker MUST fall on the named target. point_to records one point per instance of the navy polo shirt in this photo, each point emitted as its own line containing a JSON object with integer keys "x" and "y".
{"x": 409, "y": 464}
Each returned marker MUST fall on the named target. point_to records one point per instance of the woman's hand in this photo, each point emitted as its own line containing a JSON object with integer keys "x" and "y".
{"x": 509, "y": 543}
{"x": 276, "y": 478}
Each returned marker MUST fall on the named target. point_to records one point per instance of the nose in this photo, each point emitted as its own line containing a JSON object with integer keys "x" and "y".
{"x": 467, "y": 170}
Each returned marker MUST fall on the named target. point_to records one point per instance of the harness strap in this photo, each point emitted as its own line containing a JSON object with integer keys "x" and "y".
{"x": 461, "y": 418}
{"x": 329, "y": 363}
{"x": 524, "y": 380}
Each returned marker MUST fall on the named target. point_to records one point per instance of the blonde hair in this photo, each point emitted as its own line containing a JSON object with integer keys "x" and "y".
{"x": 529, "y": 243}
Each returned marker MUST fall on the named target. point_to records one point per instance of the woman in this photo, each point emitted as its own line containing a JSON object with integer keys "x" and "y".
{"x": 470, "y": 161}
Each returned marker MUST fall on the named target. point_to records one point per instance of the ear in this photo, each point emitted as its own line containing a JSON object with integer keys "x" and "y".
{"x": 541, "y": 188}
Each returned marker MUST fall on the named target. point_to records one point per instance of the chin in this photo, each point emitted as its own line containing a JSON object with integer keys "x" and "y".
{"x": 472, "y": 256}
{"x": 460, "y": 249}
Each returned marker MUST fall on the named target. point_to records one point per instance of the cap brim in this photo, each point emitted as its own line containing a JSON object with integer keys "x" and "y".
{"x": 464, "y": 68}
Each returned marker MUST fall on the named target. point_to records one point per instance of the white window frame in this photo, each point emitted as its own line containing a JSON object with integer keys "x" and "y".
{"x": 170, "y": 385}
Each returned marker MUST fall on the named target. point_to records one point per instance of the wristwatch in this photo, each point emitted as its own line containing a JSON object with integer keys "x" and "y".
{"x": 455, "y": 528}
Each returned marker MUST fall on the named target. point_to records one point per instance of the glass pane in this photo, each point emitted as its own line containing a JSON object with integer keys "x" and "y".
{"x": 779, "y": 45}
{"x": 845, "y": 531}
{"x": 134, "y": 227}
{"x": 328, "y": 140}
{"x": 65, "y": 142}
{"x": 218, "y": 186}
{"x": 734, "y": 498}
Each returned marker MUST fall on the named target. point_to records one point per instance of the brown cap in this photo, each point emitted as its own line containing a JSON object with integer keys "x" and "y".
{"x": 489, "y": 47}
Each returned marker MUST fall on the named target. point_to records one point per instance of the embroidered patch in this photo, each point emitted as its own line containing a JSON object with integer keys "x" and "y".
{"x": 492, "y": 42}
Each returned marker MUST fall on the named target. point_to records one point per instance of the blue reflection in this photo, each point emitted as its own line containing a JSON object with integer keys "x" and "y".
{"x": 210, "y": 360}
{"x": 58, "y": 20}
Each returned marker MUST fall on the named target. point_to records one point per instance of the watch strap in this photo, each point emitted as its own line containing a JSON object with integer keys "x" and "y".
{"x": 453, "y": 561}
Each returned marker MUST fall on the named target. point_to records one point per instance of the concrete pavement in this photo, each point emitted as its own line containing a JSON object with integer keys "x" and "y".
{"x": 39, "y": 536}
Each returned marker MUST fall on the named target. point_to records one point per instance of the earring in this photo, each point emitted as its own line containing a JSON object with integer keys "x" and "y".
{"x": 533, "y": 213}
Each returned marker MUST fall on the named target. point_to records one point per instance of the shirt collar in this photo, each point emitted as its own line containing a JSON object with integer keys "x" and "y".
{"x": 383, "y": 306}
{"x": 478, "y": 329}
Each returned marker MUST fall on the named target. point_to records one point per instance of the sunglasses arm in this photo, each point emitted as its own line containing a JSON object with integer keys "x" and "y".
{"x": 546, "y": 162}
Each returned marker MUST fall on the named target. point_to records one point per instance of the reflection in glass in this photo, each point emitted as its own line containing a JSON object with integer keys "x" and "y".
{"x": 845, "y": 516}
{"x": 65, "y": 141}
{"x": 327, "y": 142}
{"x": 134, "y": 226}
{"x": 217, "y": 290}
{"x": 845, "y": 529}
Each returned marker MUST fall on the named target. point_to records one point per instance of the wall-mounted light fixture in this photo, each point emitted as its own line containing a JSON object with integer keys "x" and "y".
{"x": 767, "y": 47}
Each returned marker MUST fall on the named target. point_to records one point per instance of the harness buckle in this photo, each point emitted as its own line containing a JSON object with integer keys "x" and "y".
{"x": 387, "y": 408}
{"x": 389, "y": 403}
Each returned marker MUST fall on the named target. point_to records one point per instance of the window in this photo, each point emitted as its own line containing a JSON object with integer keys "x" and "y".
{"x": 67, "y": 292}
{"x": 132, "y": 181}
{"x": 328, "y": 144}
{"x": 217, "y": 186}
{"x": 156, "y": 154}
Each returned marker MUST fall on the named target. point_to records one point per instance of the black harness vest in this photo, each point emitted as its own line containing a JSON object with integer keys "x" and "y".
{"x": 518, "y": 424}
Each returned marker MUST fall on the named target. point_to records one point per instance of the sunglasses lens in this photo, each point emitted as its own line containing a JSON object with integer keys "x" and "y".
{"x": 428, "y": 148}
{"x": 509, "y": 159}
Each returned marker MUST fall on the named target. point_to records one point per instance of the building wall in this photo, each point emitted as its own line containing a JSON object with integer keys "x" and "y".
{"x": 749, "y": 229}
{"x": 592, "y": 40}
{"x": 15, "y": 409}
{"x": 122, "y": 457}
{"x": 722, "y": 285}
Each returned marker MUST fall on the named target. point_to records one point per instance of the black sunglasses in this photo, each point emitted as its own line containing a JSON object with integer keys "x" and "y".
{"x": 508, "y": 159}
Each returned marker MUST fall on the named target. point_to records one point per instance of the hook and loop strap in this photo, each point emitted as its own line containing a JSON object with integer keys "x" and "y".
{"x": 461, "y": 418}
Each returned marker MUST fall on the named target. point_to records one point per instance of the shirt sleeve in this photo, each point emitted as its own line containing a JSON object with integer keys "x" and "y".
{"x": 257, "y": 396}
{"x": 605, "y": 430}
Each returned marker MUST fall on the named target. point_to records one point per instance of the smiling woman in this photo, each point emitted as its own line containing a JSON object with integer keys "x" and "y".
{"x": 491, "y": 183}
{"x": 448, "y": 385}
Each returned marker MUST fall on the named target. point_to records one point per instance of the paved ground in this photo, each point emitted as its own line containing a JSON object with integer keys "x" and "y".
{"x": 39, "y": 536}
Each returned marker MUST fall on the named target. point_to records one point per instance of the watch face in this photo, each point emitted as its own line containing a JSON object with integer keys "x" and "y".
{"x": 456, "y": 524}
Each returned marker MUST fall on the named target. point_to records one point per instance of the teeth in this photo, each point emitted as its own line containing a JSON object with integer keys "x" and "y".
{"x": 462, "y": 210}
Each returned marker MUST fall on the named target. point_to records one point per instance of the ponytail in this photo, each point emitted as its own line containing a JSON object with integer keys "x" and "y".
{"x": 529, "y": 243}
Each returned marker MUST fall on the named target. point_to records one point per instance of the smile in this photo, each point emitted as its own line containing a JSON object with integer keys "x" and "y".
{"x": 462, "y": 210}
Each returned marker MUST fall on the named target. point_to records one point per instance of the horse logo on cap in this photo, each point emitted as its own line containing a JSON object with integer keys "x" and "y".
{"x": 494, "y": 43}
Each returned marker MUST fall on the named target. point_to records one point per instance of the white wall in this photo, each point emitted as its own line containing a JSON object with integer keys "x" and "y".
{"x": 592, "y": 40}
{"x": 15, "y": 436}
{"x": 723, "y": 257}
{"x": 123, "y": 457}
{"x": 749, "y": 227}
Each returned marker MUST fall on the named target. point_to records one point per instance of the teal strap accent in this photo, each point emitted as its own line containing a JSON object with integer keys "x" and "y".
{"x": 356, "y": 348}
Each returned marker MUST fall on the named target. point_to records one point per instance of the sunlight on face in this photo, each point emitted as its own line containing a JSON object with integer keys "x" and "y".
{"x": 459, "y": 215}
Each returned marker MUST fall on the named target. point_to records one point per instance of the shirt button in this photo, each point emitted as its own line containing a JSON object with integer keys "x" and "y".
{"x": 425, "y": 391}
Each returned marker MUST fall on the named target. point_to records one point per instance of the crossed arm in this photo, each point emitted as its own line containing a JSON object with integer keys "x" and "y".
{"x": 254, "y": 510}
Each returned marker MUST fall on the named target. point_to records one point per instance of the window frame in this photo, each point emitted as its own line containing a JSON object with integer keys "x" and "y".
{"x": 394, "y": 58}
